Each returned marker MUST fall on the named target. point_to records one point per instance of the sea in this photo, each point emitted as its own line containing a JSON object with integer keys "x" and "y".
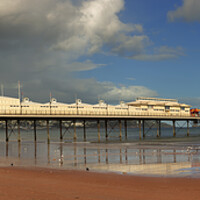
{"x": 150, "y": 156}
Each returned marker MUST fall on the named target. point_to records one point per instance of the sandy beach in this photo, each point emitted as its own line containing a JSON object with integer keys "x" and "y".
{"x": 42, "y": 184}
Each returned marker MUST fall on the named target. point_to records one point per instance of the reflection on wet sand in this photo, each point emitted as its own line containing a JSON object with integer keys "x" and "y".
{"x": 129, "y": 158}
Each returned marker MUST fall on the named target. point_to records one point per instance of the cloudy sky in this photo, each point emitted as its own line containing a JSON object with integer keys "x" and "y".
{"x": 101, "y": 49}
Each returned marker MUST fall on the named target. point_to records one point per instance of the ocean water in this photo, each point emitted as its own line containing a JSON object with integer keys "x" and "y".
{"x": 164, "y": 156}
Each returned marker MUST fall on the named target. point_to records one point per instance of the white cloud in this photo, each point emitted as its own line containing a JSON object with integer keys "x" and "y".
{"x": 129, "y": 93}
{"x": 89, "y": 90}
{"x": 189, "y": 11}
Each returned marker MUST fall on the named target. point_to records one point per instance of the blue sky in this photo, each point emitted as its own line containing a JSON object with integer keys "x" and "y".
{"x": 109, "y": 49}
{"x": 173, "y": 77}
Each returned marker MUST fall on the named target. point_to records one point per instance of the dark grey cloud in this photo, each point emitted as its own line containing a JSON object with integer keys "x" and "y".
{"x": 189, "y": 11}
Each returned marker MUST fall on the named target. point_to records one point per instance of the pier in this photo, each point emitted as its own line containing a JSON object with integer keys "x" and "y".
{"x": 142, "y": 111}
{"x": 119, "y": 123}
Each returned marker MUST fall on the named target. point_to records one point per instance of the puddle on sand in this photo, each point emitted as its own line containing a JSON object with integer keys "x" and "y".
{"x": 128, "y": 158}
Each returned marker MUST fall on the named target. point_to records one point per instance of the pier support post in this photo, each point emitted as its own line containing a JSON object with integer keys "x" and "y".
{"x": 98, "y": 127}
{"x": 84, "y": 130}
{"x": 125, "y": 129}
{"x": 18, "y": 127}
{"x": 19, "y": 149}
{"x": 106, "y": 129}
{"x": 35, "y": 133}
{"x": 120, "y": 129}
{"x": 48, "y": 136}
{"x": 188, "y": 128}
{"x": 143, "y": 128}
{"x": 6, "y": 121}
{"x": 140, "y": 130}
{"x": 61, "y": 136}
{"x": 75, "y": 136}
{"x": 158, "y": 128}
{"x": 174, "y": 128}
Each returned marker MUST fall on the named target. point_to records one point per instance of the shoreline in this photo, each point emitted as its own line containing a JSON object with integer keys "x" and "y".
{"x": 22, "y": 183}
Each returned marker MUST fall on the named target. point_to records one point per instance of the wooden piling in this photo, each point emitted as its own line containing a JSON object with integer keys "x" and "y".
{"x": 143, "y": 128}
{"x": 158, "y": 128}
{"x": 48, "y": 135}
{"x": 6, "y": 121}
{"x": 188, "y": 128}
{"x": 140, "y": 130}
{"x": 19, "y": 149}
{"x": 98, "y": 127}
{"x": 174, "y": 128}
{"x": 125, "y": 129}
{"x": 106, "y": 129}
{"x": 75, "y": 136}
{"x": 84, "y": 130}
{"x": 35, "y": 132}
{"x": 18, "y": 127}
{"x": 61, "y": 136}
{"x": 120, "y": 129}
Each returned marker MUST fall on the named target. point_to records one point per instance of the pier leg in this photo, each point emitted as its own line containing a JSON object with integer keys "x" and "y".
{"x": 120, "y": 155}
{"x": 85, "y": 156}
{"x": 19, "y": 149}
{"x": 48, "y": 136}
{"x": 7, "y": 149}
{"x": 188, "y": 128}
{"x": 84, "y": 130}
{"x": 61, "y": 136}
{"x": 6, "y": 121}
{"x": 98, "y": 127}
{"x": 18, "y": 126}
{"x": 120, "y": 130}
{"x": 106, "y": 156}
{"x": 106, "y": 129}
{"x": 75, "y": 136}
{"x": 143, "y": 128}
{"x": 140, "y": 130}
{"x": 174, "y": 128}
{"x": 143, "y": 157}
{"x": 99, "y": 156}
{"x": 158, "y": 128}
{"x": 125, "y": 129}
{"x": 126, "y": 155}
{"x": 35, "y": 133}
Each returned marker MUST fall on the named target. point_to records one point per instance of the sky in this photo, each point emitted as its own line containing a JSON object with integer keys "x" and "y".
{"x": 100, "y": 49}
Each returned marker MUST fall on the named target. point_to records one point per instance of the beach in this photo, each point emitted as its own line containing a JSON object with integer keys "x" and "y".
{"x": 167, "y": 169}
{"x": 42, "y": 184}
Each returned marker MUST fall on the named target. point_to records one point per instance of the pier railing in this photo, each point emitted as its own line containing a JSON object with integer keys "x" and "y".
{"x": 89, "y": 113}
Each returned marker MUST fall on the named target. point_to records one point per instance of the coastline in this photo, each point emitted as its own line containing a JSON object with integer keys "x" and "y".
{"x": 44, "y": 183}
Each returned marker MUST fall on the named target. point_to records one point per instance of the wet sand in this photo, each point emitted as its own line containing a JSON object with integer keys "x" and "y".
{"x": 49, "y": 184}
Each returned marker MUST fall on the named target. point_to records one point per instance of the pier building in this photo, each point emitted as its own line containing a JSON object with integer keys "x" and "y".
{"x": 141, "y": 110}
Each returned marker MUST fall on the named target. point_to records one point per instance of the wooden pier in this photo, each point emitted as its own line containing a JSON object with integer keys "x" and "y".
{"x": 121, "y": 121}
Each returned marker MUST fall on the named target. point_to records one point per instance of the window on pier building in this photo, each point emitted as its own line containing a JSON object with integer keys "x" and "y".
{"x": 167, "y": 107}
{"x": 182, "y": 108}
